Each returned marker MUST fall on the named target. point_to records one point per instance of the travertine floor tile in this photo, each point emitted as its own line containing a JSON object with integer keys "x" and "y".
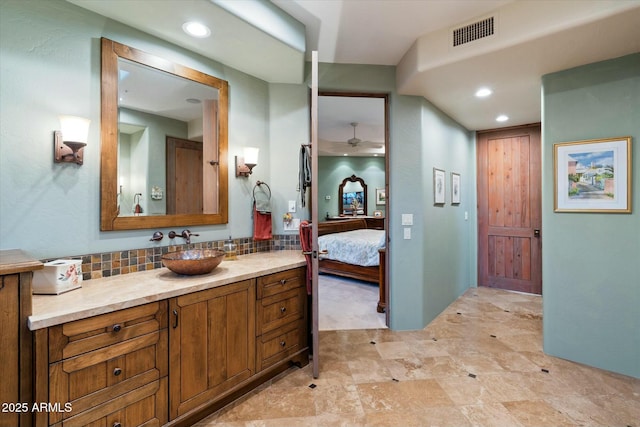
{"x": 480, "y": 363}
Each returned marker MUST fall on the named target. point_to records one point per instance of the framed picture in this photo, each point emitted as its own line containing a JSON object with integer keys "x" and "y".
{"x": 455, "y": 188}
{"x": 381, "y": 196}
{"x": 593, "y": 175}
{"x": 377, "y": 214}
{"x": 438, "y": 186}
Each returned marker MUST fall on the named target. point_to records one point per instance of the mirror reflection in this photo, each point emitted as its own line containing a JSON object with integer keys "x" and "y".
{"x": 160, "y": 141}
{"x": 352, "y": 196}
{"x": 164, "y": 142}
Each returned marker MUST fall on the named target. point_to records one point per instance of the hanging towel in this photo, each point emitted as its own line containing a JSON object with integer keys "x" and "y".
{"x": 305, "y": 243}
{"x": 262, "y": 223}
{"x": 304, "y": 174}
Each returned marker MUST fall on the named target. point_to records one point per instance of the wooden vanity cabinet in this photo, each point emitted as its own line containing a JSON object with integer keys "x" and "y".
{"x": 281, "y": 321}
{"x": 212, "y": 344}
{"x": 110, "y": 369}
{"x": 172, "y": 362}
{"x": 16, "y": 355}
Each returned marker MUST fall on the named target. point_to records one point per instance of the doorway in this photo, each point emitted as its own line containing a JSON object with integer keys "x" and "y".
{"x": 353, "y": 135}
{"x": 510, "y": 209}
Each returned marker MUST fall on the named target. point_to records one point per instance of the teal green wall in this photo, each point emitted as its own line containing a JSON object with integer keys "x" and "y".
{"x": 429, "y": 271}
{"x": 50, "y": 59}
{"x": 591, "y": 261}
{"x": 333, "y": 170}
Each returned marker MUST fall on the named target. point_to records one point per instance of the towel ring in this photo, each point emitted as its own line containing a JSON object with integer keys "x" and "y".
{"x": 258, "y": 183}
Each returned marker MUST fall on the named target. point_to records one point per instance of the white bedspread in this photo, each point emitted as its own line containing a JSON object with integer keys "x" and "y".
{"x": 358, "y": 247}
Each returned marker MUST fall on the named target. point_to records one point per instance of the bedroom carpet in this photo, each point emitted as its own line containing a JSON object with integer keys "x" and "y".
{"x": 479, "y": 363}
{"x": 348, "y": 304}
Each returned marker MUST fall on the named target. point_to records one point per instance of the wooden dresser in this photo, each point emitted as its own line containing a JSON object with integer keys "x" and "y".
{"x": 16, "y": 349}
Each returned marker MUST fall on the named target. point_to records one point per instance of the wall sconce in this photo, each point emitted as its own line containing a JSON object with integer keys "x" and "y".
{"x": 244, "y": 165}
{"x": 69, "y": 142}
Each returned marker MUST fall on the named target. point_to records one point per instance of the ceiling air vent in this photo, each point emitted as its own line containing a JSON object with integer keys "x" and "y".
{"x": 474, "y": 31}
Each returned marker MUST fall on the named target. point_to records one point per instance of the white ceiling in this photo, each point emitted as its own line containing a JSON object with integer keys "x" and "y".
{"x": 533, "y": 38}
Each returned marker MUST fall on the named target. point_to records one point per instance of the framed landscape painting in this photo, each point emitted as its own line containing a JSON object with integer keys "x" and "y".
{"x": 593, "y": 175}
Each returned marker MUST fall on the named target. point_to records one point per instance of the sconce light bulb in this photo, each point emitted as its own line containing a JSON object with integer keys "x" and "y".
{"x": 74, "y": 129}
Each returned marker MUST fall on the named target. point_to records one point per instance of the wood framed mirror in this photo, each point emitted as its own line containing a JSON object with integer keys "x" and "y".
{"x": 140, "y": 167}
{"x": 352, "y": 188}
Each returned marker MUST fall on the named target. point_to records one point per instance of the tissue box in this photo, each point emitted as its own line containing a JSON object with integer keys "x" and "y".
{"x": 58, "y": 276}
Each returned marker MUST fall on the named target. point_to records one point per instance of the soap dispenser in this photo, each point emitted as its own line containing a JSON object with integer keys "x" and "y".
{"x": 230, "y": 250}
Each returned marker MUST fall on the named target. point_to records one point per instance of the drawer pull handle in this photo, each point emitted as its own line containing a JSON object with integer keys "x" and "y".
{"x": 283, "y": 281}
{"x": 283, "y": 310}
{"x": 117, "y": 424}
{"x": 117, "y": 371}
{"x": 283, "y": 343}
{"x": 117, "y": 327}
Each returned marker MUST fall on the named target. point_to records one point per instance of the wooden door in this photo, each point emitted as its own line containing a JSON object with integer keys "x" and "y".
{"x": 509, "y": 209}
{"x": 184, "y": 176}
{"x": 211, "y": 344}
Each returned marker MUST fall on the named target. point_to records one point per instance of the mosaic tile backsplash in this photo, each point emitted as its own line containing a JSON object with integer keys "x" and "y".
{"x": 96, "y": 266}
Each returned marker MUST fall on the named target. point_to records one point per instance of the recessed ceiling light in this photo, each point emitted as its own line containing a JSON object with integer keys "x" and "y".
{"x": 502, "y": 118}
{"x": 196, "y": 29}
{"x": 483, "y": 92}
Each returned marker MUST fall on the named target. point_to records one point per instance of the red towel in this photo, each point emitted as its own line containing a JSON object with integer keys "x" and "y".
{"x": 261, "y": 224}
{"x": 305, "y": 243}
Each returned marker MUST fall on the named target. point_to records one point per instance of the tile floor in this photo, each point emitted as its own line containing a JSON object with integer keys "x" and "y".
{"x": 479, "y": 363}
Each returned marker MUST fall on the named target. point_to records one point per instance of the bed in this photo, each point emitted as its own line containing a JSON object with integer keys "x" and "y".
{"x": 374, "y": 270}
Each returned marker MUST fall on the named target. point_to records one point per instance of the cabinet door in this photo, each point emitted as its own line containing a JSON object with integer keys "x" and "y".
{"x": 9, "y": 386}
{"x": 211, "y": 344}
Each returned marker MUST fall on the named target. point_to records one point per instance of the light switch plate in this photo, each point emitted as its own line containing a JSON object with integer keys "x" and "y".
{"x": 407, "y": 219}
{"x": 292, "y": 205}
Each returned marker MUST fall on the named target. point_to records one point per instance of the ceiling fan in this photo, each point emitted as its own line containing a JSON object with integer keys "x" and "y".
{"x": 354, "y": 141}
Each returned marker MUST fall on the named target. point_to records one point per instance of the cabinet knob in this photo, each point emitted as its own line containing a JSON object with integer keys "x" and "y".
{"x": 283, "y": 309}
{"x": 117, "y": 424}
{"x": 117, "y": 371}
{"x": 117, "y": 327}
{"x": 283, "y": 281}
{"x": 283, "y": 343}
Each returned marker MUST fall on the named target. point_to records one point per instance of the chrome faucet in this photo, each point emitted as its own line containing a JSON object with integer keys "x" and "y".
{"x": 186, "y": 235}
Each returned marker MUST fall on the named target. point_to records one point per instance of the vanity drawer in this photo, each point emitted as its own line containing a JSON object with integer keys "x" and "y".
{"x": 144, "y": 406}
{"x": 82, "y": 336}
{"x": 96, "y": 377}
{"x": 280, "y": 282}
{"x": 280, "y": 309}
{"x": 279, "y": 344}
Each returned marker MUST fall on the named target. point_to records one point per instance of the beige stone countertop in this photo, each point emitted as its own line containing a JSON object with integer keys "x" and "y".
{"x": 99, "y": 296}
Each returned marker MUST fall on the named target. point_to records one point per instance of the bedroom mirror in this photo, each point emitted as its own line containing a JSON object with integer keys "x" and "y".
{"x": 352, "y": 196}
{"x": 164, "y": 142}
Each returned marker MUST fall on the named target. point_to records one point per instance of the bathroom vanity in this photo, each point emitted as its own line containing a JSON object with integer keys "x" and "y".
{"x": 155, "y": 348}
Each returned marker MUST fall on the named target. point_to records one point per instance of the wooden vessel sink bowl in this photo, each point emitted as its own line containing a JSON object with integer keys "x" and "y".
{"x": 194, "y": 261}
